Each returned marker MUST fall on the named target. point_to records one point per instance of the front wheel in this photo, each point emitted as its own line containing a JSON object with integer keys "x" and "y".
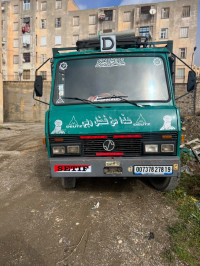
{"x": 68, "y": 182}
{"x": 164, "y": 183}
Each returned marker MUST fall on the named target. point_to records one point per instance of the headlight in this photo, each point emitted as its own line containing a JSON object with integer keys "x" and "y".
{"x": 75, "y": 149}
{"x": 167, "y": 148}
{"x": 58, "y": 150}
{"x": 151, "y": 148}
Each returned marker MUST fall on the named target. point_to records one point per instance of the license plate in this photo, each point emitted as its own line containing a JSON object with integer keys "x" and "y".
{"x": 152, "y": 170}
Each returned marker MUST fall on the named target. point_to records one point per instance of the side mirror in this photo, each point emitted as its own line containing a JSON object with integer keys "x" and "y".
{"x": 192, "y": 79}
{"x": 38, "y": 86}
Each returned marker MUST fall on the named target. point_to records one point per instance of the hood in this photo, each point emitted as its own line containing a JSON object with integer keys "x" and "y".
{"x": 87, "y": 119}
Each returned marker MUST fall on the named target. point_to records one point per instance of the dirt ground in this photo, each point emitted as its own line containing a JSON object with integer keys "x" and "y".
{"x": 43, "y": 224}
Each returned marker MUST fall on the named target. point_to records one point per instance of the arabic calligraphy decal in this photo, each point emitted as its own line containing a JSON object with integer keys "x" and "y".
{"x": 110, "y": 62}
{"x": 167, "y": 123}
{"x": 103, "y": 120}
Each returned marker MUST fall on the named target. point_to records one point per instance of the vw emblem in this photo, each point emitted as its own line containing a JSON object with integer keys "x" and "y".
{"x": 108, "y": 145}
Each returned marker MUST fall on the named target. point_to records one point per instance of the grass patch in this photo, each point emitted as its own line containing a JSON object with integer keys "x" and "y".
{"x": 185, "y": 235}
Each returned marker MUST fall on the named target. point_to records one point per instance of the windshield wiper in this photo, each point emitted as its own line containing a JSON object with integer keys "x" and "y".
{"x": 85, "y": 101}
{"x": 122, "y": 98}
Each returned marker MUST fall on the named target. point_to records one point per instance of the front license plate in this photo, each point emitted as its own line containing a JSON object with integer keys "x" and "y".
{"x": 73, "y": 168}
{"x": 152, "y": 170}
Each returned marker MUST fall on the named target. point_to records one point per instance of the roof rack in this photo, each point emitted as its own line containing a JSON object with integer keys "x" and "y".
{"x": 124, "y": 40}
{"x": 121, "y": 42}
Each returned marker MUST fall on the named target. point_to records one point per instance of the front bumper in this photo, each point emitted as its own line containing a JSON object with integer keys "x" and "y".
{"x": 97, "y": 165}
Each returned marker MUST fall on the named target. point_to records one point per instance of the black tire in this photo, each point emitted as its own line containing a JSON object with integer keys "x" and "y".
{"x": 68, "y": 182}
{"x": 164, "y": 183}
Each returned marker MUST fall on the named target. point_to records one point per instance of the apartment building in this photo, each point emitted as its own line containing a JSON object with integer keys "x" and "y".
{"x": 31, "y": 28}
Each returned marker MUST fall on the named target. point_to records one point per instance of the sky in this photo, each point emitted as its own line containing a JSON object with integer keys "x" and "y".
{"x": 87, "y": 4}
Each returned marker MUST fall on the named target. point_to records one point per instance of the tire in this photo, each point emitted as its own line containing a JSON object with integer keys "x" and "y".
{"x": 164, "y": 183}
{"x": 68, "y": 182}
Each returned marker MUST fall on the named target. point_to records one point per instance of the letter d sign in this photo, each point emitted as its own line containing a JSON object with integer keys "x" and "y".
{"x": 108, "y": 43}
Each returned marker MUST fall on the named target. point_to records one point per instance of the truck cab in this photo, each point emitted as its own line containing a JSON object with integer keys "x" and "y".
{"x": 112, "y": 112}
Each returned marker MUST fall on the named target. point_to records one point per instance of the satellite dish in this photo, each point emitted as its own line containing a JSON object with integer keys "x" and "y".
{"x": 152, "y": 11}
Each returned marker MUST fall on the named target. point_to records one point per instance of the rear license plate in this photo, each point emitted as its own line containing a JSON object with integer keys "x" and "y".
{"x": 152, "y": 170}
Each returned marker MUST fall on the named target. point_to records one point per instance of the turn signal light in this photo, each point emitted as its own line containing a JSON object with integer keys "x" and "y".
{"x": 166, "y": 136}
{"x": 182, "y": 139}
{"x": 44, "y": 141}
{"x": 58, "y": 139}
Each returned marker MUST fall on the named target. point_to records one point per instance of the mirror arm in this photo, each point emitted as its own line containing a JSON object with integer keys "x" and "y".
{"x": 41, "y": 66}
{"x": 35, "y": 76}
{"x": 39, "y": 100}
{"x": 183, "y": 62}
{"x": 183, "y": 95}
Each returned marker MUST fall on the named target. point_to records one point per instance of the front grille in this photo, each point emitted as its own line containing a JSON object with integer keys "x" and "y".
{"x": 129, "y": 146}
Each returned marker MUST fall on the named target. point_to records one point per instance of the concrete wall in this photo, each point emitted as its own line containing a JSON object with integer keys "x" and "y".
{"x": 20, "y": 106}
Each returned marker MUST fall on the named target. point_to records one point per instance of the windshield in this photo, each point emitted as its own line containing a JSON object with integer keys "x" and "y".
{"x": 101, "y": 80}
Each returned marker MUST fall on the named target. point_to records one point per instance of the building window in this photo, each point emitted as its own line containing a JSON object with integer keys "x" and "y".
{"x": 91, "y": 35}
{"x": 76, "y": 21}
{"x": 180, "y": 73}
{"x": 15, "y": 59}
{"x": 165, "y": 12}
{"x": 43, "y": 23}
{"x": 16, "y": 43}
{"x": 15, "y": 26}
{"x": 107, "y": 30}
{"x": 163, "y": 33}
{"x": 108, "y": 15}
{"x": 26, "y": 58}
{"x": 26, "y": 74}
{"x": 15, "y": 9}
{"x": 182, "y": 53}
{"x": 184, "y": 32}
{"x": 26, "y": 25}
{"x": 57, "y": 40}
{"x": 75, "y": 38}
{"x": 43, "y": 74}
{"x": 58, "y": 22}
{"x": 26, "y": 4}
{"x": 26, "y": 40}
{"x": 186, "y": 12}
{"x": 58, "y": 4}
{"x": 92, "y": 20}
{"x": 144, "y": 31}
{"x": 43, "y": 41}
{"x": 145, "y": 10}
{"x": 43, "y": 58}
{"x": 127, "y": 16}
{"x": 44, "y": 6}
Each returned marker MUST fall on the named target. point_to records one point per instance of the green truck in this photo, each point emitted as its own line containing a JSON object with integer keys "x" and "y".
{"x": 112, "y": 111}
